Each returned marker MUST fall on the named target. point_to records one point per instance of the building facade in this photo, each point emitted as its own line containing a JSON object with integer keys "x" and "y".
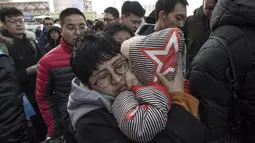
{"x": 60, "y": 5}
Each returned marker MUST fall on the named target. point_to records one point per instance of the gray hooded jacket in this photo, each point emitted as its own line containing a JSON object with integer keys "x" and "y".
{"x": 83, "y": 100}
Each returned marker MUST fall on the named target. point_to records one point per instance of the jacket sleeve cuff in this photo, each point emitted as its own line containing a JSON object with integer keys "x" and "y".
{"x": 186, "y": 101}
{"x": 134, "y": 88}
{"x": 22, "y": 75}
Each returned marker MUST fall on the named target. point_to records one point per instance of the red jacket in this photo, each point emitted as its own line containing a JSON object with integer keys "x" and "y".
{"x": 53, "y": 85}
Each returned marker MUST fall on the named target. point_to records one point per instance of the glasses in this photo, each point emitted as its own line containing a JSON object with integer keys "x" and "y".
{"x": 107, "y": 20}
{"x": 15, "y": 21}
{"x": 105, "y": 80}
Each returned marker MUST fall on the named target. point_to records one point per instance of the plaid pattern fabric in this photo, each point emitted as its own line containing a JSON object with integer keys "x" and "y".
{"x": 142, "y": 114}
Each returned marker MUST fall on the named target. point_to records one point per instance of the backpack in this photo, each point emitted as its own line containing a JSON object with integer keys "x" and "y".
{"x": 240, "y": 59}
{"x": 4, "y": 48}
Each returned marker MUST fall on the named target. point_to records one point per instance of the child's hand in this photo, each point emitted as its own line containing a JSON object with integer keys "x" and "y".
{"x": 130, "y": 79}
{"x": 176, "y": 85}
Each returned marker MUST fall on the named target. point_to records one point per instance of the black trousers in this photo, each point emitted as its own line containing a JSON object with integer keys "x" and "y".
{"x": 39, "y": 126}
{"x": 69, "y": 138}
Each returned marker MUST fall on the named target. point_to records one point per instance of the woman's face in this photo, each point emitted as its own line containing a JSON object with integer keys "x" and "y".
{"x": 122, "y": 36}
{"x": 54, "y": 35}
{"x": 109, "y": 79}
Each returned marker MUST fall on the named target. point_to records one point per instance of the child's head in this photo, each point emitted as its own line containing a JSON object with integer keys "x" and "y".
{"x": 157, "y": 52}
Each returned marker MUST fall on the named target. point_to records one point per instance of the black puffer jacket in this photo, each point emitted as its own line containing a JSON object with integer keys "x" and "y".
{"x": 196, "y": 31}
{"x": 12, "y": 117}
{"x": 24, "y": 55}
{"x": 208, "y": 73}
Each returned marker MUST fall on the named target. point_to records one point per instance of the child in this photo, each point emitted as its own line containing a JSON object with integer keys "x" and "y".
{"x": 142, "y": 113}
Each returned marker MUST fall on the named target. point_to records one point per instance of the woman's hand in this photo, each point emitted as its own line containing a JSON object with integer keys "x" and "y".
{"x": 176, "y": 85}
{"x": 130, "y": 79}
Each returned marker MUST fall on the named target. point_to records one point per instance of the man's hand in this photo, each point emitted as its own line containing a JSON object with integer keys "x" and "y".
{"x": 32, "y": 70}
{"x": 176, "y": 85}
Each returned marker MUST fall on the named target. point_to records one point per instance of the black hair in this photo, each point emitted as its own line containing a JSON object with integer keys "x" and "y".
{"x": 113, "y": 11}
{"x": 67, "y": 12}
{"x": 9, "y": 12}
{"x": 89, "y": 23}
{"x": 132, "y": 7}
{"x": 47, "y": 18}
{"x": 102, "y": 46}
{"x": 113, "y": 28}
{"x": 99, "y": 25}
{"x": 56, "y": 20}
{"x": 167, "y": 6}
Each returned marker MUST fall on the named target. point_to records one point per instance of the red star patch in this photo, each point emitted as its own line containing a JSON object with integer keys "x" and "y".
{"x": 164, "y": 57}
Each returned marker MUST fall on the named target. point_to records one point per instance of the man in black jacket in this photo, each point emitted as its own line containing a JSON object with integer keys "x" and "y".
{"x": 111, "y": 15}
{"x": 212, "y": 76}
{"x": 168, "y": 14}
{"x": 25, "y": 55}
{"x": 12, "y": 118}
{"x": 196, "y": 29}
{"x": 132, "y": 14}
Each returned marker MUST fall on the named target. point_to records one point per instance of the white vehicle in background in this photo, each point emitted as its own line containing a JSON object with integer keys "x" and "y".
{"x": 40, "y": 18}
{"x": 32, "y": 27}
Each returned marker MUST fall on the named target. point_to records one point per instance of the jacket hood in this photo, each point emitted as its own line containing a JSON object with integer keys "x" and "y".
{"x": 151, "y": 18}
{"x": 195, "y": 11}
{"x": 145, "y": 29}
{"x": 30, "y": 35}
{"x": 199, "y": 12}
{"x": 83, "y": 100}
{"x": 157, "y": 52}
{"x": 233, "y": 12}
{"x": 54, "y": 28}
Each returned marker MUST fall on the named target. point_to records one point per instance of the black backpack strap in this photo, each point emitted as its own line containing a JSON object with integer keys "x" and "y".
{"x": 235, "y": 43}
{"x": 240, "y": 58}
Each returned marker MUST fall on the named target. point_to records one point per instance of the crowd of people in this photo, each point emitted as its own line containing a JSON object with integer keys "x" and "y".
{"x": 130, "y": 78}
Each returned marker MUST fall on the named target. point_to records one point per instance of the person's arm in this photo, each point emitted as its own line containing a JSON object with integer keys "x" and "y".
{"x": 42, "y": 42}
{"x": 209, "y": 85}
{"x": 188, "y": 102}
{"x": 22, "y": 75}
{"x": 38, "y": 52}
{"x": 99, "y": 127}
{"x": 12, "y": 117}
{"x": 45, "y": 98}
{"x": 142, "y": 114}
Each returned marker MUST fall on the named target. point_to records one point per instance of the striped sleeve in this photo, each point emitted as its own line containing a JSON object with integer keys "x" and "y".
{"x": 142, "y": 114}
